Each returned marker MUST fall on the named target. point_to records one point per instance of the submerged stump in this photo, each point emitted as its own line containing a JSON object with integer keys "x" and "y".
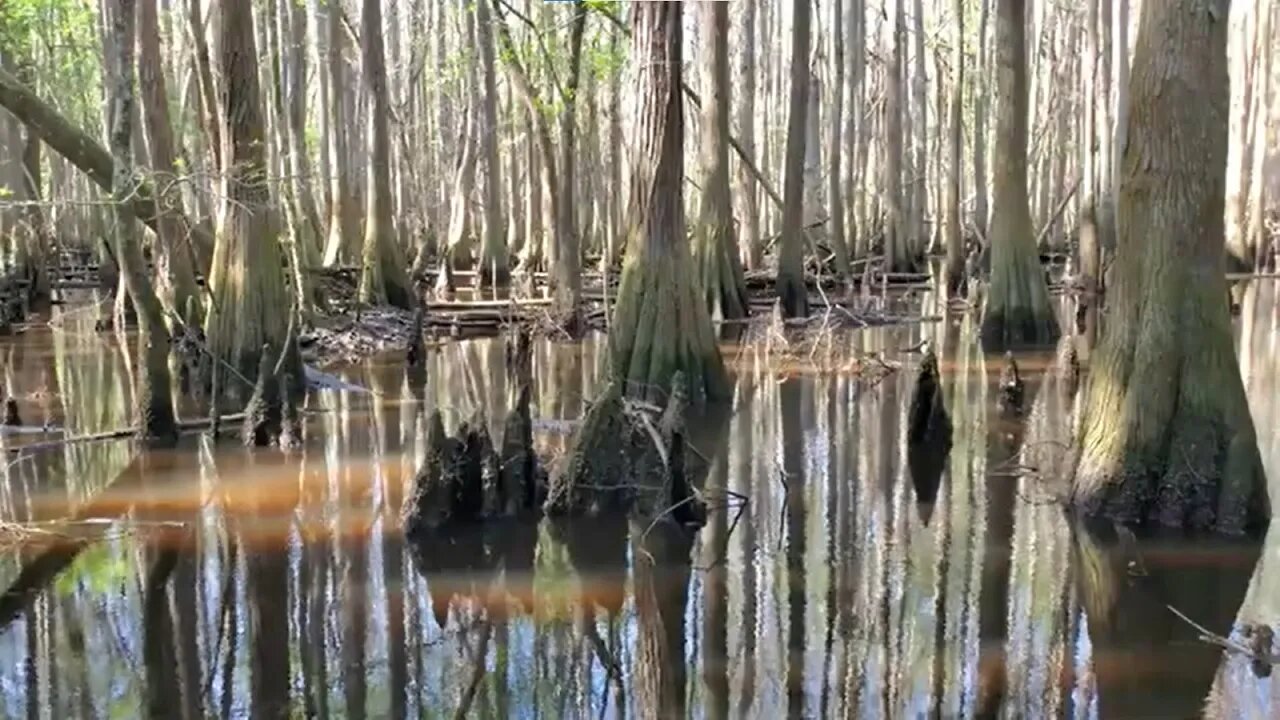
{"x": 624, "y": 458}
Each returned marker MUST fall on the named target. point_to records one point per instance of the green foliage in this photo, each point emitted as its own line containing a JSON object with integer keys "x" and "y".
{"x": 99, "y": 570}
{"x": 58, "y": 41}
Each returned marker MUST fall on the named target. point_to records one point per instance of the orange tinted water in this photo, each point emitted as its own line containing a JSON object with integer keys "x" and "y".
{"x": 292, "y": 592}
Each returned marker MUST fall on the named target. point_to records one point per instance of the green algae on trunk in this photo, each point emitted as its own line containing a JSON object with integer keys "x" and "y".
{"x": 1167, "y": 436}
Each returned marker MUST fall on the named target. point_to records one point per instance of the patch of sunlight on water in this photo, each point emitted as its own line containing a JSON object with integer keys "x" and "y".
{"x": 212, "y": 581}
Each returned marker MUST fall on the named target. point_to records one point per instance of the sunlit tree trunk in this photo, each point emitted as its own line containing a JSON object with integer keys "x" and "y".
{"x": 839, "y": 235}
{"x": 792, "y": 293}
{"x": 566, "y": 255}
{"x": 1018, "y": 311}
{"x": 1167, "y": 434}
{"x": 250, "y": 307}
{"x": 752, "y": 249}
{"x": 660, "y": 324}
{"x": 174, "y": 262}
{"x": 981, "y": 76}
{"x": 1088, "y": 248}
{"x": 307, "y": 226}
{"x": 383, "y": 278}
{"x": 715, "y": 246}
{"x": 1264, "y": 104}
{"x": 896, "y": 250}
{"x": 919, "y": 134}
{"x": 855, "y": 127}
{"x": 493, "y": 252}
{"x": 208, "y": 90}
{"x": 955, "y": 140}
{"x": 341, "y": 245}
{"x": 154, "y": 403}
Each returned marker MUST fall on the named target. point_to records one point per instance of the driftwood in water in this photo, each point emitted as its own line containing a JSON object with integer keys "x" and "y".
{"x": 928, "y": 435}
{"x": 623, "y": 459}
{"x": 1012, "y": 391}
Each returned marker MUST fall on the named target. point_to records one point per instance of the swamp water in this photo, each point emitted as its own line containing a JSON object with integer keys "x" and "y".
{"x": 214, "y": 582}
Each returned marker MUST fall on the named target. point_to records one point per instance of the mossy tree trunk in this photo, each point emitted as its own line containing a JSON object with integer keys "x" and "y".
{"x": 715, "y": 246}
{"x": 790, "y": 282}
{"x": 493, "y": 268}
{"x": 154, "y": 403}
{"x": 383, "y": 277}
{"x": 660, "y": 325}
{"x": 249, "y": 307}
{"x": 1167, "y": 435}
{"x": 1018, "y": 312}
{"x": 175, "y": 273}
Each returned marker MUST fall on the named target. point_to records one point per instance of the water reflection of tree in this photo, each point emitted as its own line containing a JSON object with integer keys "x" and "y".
{"x": 660, "y": 584}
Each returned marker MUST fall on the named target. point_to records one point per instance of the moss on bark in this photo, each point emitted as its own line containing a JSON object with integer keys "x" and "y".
{"x": 1167, "y": 436}
{"x": 1018, "y": 312}
{"x": 660, "y": 325}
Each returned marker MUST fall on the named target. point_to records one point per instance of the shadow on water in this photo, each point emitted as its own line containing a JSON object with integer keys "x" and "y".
{"x": 842, "y": 572}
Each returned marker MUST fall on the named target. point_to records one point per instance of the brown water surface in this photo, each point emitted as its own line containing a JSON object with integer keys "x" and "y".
{"x": 210, "y": 581}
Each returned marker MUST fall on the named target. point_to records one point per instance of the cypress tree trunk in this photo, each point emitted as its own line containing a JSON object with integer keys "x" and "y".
{"x": 250, "y": 307}
{"x": 715, "y": 247}
{"x": 660, "y": 325}
{"x": 341, "y": 245}
{"x": 790, "y": 281}
{"x": 955, "y": 139}
{"x": 980, "y": 126}
{"x": 1167, "y": 434}
{"x": 897, "y": 254}
{"x": 383, "y": 278}
{"x": 752, "y": 251}
{"x": 839, "y": 241}
{"x": 174, "y": 262}
{"x": 1018, "y": 312}
{"x": 154, "y": 403}
{"x": 493, "y": 252}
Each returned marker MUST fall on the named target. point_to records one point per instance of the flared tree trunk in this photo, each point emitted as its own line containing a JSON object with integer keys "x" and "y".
{"x": 566, "y": 255}
{"x": 790, "y": 281}
{"x": 174, "y": 258}
{"x": 1167, "y": 435}
{"x": 715, "y": 247}
{"x": 154, "y": 403}
{"x": 660, "y": 324}
{"x": 383, "y": 277}
{"x": 250, "y": 307}
{"x": 493, "y": 251}
{"x": 1018, "y": 312}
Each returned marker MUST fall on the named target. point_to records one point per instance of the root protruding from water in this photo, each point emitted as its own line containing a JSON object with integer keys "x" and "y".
{"x": 262, "y": 414}
{"x": 1012, "y": 391}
